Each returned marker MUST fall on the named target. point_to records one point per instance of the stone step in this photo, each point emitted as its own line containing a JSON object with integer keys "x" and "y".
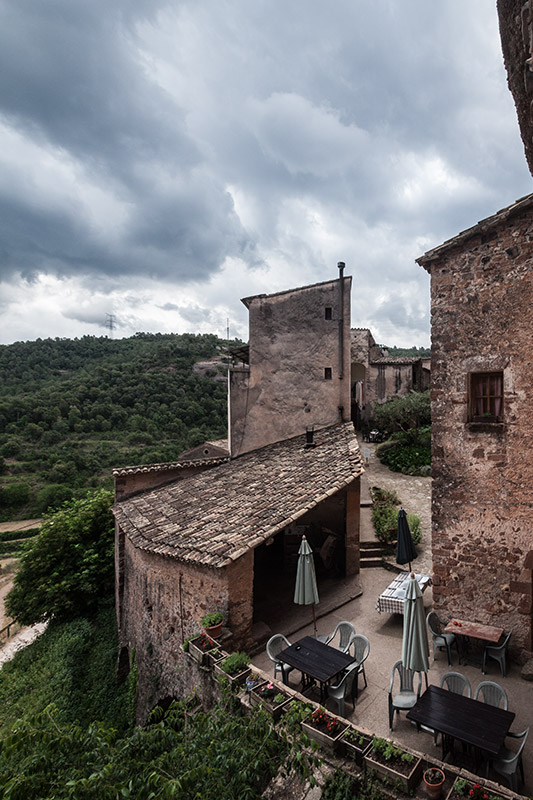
{"x": 365, "y": 563}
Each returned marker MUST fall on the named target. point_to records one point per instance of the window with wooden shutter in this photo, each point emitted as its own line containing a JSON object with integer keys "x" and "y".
{"x": 486, "y": 396}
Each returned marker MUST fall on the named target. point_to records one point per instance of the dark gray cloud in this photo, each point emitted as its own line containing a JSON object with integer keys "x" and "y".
{"x": 177, "y": 156}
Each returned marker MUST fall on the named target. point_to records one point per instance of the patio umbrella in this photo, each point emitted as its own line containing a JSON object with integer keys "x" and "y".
{"x": 405, "y": 548}
{"x": 415, "y": 649}
{"x": 305, "y": 590}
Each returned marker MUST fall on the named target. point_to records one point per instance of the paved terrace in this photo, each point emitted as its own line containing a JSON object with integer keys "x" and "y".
{"x": 384, "y": 632}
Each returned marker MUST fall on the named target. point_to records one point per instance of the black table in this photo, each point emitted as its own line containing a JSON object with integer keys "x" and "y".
{"x": 316, "y": 661}
{"x": 477, "y": 724}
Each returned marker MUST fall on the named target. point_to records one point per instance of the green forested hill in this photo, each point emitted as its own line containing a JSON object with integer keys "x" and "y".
{"x": 72, "y": 409}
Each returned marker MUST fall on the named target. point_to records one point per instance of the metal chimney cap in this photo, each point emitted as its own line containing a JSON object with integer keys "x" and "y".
{"x": 341, "y": 264}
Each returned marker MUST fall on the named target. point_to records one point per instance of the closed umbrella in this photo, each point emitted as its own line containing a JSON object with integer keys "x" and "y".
{"x": 415, "y": 649}
{"x": 405, "y": 547}
{"x": 305, "y": 590}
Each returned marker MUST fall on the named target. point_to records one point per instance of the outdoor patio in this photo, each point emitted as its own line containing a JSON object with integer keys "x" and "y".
{"x": 384, "y": 632}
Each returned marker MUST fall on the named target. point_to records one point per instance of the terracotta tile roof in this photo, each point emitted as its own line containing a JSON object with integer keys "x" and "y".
{"x": 215, "y": 517}
{"x": 182, "y": 464}
{"x": 482, "y": 227}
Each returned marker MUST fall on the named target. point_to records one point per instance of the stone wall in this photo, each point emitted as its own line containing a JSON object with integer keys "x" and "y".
{"x": 292, "y": 344}
{"x": 482, "y": 300}
{"x": 516, "y": 32}
{"x": 161, "y": 603}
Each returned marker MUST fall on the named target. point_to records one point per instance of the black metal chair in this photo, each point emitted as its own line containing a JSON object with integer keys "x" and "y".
{"x": 498, "y": 652}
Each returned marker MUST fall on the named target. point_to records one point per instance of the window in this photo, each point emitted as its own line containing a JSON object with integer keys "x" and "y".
{"x": 486, "y": 396}
{"x": 327, "y": 373}
{"x": 328, "y": 312}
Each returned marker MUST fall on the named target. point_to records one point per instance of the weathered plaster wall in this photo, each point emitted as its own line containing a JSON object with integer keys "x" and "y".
{"x": 162, "y": 603}
{"x": 386, "y": 381}
{"x": 482, "y": 300}
{"x": 291, "y": 344}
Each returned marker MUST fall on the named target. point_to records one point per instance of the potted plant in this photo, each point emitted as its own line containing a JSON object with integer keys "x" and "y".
{"x": 252, "y": 680}
{"x": 234, "y": 667}
{"x": 200, "y": 646}
{"x": 270, "y": 697}
{"x": 355, "y": 744}
{"x": 212, "y": 624}
{"x": 434, "y": 781}
{"x": 325, "y": 729}
{"x": 393, "y": 763}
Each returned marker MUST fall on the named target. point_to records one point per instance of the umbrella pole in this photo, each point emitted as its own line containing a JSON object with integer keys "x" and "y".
{"x": 314, "y": 618}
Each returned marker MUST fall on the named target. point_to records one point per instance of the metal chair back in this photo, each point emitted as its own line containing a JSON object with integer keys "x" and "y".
{"x": 275, "y": 645}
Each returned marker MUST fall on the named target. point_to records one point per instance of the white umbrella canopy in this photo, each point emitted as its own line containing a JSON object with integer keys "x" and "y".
{"x": 305, "y": 589}
{"x": 415, "y": 648}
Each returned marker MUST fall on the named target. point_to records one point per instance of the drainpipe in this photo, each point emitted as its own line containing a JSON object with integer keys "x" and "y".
{"x": 341, "y": 266}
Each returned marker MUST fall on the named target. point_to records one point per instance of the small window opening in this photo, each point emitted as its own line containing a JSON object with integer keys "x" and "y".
{"x": 327, "y": 373}
{"x": 328, "y": 312}
{"x": 486, "y": 396}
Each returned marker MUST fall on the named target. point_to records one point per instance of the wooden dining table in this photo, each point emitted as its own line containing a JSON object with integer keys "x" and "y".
{"x": 472, "y": 630}
{"x": 316, "y": 661}
{"x": 479, "y": 725}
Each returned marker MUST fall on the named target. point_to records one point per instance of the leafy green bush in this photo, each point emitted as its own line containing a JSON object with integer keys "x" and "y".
{"x": 219, "y": 756}
{"x": 72, "y": 664}
{"x": 385, "y": 504}
{"x": 14, "y": 494}
{"x": 52, "y": 496}
{"x": 409, "y": 459}
{"x": 235, "y": 663}
{"x": 70, "y": 564}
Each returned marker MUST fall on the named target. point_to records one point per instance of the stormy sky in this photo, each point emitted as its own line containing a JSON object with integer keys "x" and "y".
{"x": 160, "y": 160}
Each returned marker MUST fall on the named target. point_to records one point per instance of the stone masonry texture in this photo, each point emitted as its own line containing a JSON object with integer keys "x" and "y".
{"x": 481, "y": 302}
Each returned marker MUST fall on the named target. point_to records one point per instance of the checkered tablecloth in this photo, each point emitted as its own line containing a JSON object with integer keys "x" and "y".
{"x": 392, "y": 599}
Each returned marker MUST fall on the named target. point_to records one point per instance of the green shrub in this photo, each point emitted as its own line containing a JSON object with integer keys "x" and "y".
{"x": 235, "y": 663}
{"x": 408, "y": 459}
{"x": 214, "y": 618}
{"x": 385, "y": 504}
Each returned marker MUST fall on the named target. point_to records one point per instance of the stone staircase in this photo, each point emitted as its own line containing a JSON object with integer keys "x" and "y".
{"x": 372, "y": 554}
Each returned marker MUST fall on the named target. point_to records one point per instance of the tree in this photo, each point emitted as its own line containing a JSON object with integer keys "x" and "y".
{"x": 69, "y": 567}
{"x": 407, "y": 414}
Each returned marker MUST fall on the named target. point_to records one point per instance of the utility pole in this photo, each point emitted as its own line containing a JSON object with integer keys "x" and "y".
{"x": 110, "y": 322}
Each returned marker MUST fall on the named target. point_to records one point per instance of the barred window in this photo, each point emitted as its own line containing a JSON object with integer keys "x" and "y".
{"x": 486, "y": 396}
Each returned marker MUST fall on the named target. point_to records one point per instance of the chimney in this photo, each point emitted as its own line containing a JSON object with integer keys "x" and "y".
{"x": 309, "y": 433}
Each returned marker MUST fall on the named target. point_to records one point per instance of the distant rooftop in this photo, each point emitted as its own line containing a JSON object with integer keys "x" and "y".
{"x": 215, "y": 517}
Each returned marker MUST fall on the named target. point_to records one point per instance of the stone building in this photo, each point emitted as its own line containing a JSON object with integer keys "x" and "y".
{"x": 516, "y": 31}
{"x": 482, "y": 389}
{"x": 377, "y": 377}
{"x": 296, "y": 369}
{"x": 222, "y": 533}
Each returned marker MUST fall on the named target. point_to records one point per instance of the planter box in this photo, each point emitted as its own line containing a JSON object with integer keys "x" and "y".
{"x": 354, "y": 751}
{"x": 493, "y": 790}
{"x": 408, "y": 780}
{"x": 265, "y": 702}
{"x": 234, "y": 680}
{"x": 333, "y": 743}
{"x": 197, "y": 652}
{"x": 212, "y": 658}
